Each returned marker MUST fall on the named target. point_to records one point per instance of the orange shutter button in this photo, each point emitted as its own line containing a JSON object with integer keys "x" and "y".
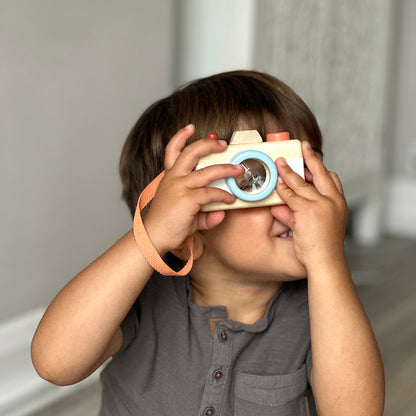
{"x": 277, "y": 137}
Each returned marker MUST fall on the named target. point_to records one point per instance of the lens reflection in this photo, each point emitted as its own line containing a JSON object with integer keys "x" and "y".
{"x": 254, "y": 177}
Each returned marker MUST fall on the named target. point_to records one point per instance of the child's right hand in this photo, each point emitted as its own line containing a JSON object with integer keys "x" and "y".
{"x": 175, "y": 212}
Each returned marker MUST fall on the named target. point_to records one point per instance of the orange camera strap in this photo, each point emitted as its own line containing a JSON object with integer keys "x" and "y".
{"x": 145, "y": 243}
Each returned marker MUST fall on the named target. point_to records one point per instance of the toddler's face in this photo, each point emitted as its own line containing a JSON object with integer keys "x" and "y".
{"x": 254, "y": 244}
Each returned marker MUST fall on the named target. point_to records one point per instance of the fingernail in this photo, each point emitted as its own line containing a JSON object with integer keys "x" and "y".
{"x": 189, "y": 126}
{"x": 279, "y": 179}
{"x": 307, "y": 145}
{"x": 223, "y": 142}
{"x": 282, "y": 161}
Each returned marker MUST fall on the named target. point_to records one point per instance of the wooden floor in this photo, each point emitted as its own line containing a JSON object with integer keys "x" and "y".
{"x": 386, "y": 282}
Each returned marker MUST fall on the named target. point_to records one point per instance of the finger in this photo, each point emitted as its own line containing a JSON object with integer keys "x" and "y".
{"x": 209, "y": 220}
{"x": 295, "y": 181}
{"x": 337, "y": 182}
{"x": 322, "y": 179}
{"x": 190, "y": 155}
{"x": 308, "y": 176}
{"x": 176, "y": 144}
{"x": 208, "y": 194}
{"x": 289, "y": 196}
{"x": 283, "y": 214}
{"x": 205, "y": 176}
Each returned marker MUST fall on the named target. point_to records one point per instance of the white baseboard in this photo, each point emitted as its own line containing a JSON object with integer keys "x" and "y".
{"x": 400, "y": 216}
{"x": 22, "y": 391}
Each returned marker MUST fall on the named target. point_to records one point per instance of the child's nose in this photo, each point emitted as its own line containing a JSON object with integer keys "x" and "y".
{"x": 283, "y": 214}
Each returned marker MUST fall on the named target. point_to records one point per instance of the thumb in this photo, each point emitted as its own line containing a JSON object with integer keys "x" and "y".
{"x": 209, "y": 220}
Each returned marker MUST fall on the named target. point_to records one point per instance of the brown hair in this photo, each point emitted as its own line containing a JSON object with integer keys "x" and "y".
{"x": 221, "y": 103}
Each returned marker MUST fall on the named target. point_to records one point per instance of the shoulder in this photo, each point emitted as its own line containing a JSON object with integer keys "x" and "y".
{"x": 165, "y": 287}
{"x": 290, "y": 313}
{"x": 163, "y": 294}
{"x": 163, "y": 299}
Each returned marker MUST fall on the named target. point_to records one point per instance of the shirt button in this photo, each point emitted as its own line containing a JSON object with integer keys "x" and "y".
{"x": 218, "y": 374}
{"x": 209, "y": 411}
{"x": 223, "y": 336}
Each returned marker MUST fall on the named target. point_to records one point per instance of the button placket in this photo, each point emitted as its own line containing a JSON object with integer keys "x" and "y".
{"x": 223, "y": 335}
{"x": 209, "y": 411}
{"x": 218, "y": 375}
{"x": 216, "y": 382}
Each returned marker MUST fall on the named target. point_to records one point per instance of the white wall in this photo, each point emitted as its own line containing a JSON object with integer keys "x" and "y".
{"x": 214, "y": 36}
{"x": 74, "y": 76}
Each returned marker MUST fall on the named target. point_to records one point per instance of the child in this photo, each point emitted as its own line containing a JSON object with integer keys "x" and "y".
{"x": 244, "y": 333}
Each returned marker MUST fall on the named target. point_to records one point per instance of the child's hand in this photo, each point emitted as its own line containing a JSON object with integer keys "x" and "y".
{"x": 319, "y": 207}
{"x": 175, "y": 210}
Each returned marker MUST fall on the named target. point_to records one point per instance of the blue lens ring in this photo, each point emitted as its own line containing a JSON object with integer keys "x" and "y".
{"x": 268, "y": 161}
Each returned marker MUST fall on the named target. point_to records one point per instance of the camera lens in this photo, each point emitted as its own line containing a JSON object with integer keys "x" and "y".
{"x": 254, "y": 177}
{"x": 259, "y": 178}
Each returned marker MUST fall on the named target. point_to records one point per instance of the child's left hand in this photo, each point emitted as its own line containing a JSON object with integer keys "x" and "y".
{"x": 319, "y": 209}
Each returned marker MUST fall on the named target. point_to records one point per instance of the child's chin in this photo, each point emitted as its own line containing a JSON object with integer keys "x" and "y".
{"x": 295, "y": 278}
{"x": 298, "y": 274}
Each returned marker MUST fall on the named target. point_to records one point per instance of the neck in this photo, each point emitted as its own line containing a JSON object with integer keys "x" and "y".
{"x": 245, "y": 302}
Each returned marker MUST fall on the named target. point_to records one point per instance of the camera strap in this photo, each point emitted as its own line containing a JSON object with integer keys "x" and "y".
{"x": 145, "y": 243}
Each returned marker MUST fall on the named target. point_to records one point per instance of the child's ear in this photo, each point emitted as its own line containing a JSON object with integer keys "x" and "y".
{"x": 182, "y": 252}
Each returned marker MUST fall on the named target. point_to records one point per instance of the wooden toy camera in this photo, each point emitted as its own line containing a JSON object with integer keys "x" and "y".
{"x": 256, "y": 186}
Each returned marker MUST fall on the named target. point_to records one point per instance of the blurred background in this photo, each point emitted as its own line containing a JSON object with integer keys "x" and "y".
{"x": 74, "y": 78}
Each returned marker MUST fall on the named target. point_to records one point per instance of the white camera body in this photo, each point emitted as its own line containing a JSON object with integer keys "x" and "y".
{"x": 257, "y": 186}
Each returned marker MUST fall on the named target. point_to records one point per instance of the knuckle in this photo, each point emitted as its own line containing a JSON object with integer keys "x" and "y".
{"x": 290, "y": 193}
{"x": 303, "y": 184}
{"x": 202, "y": 173}
{"x": 213, "y": 194}
{"x": 323, "y": 171}
{"x": 208, "y": 191}
{"x": 205, "y": 193}
{"x": 188, "y": 150}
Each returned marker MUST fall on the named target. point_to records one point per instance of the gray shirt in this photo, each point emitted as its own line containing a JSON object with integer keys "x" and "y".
{"x": 179, "y": 358}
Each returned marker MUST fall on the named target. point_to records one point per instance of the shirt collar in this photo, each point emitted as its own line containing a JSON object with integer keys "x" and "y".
{"x": 220, "y": 311}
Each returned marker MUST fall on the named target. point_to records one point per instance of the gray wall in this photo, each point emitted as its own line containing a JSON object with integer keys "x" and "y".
{"x": 404, "y": 93}
{"x": 74, "y": 76}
